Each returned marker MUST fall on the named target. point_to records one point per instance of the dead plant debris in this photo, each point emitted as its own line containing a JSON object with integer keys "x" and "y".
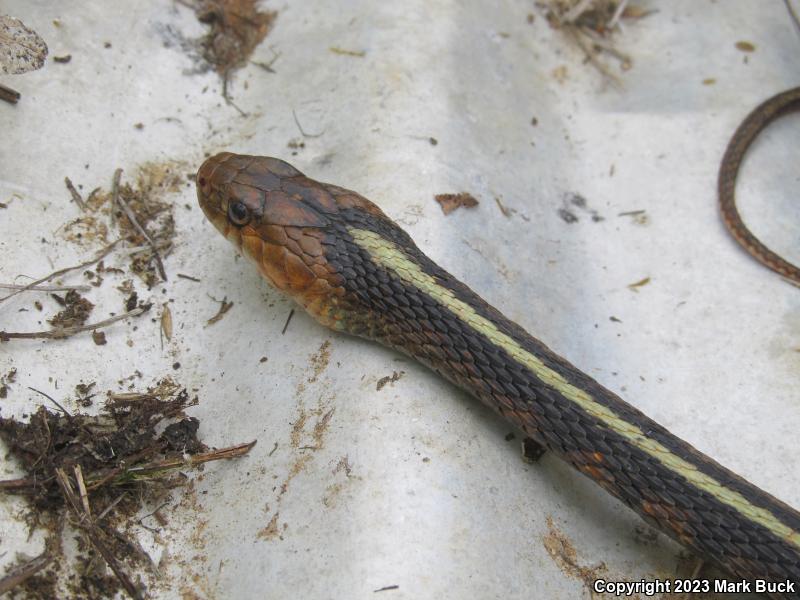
{"x": 224, "y": 306}
{"x": 76, "y": 310}
{"x": 395, "y": 376}
{"x": 21, "y": 48}
{"x": 237, "y": 27}
{"x": 638, "y": 217}
{"x": 94, "y": 474}
{"x": 634, "y": 287}
{"x": 25, "y": 570}
{"x": 590, "y": 24}
{"x": 166, "y": 321}
{"x": 11, "y": 96}
{"x": 563, "y": 553}
{"x": 344, "y": 52}
{"x": 76, "y": 196}
{"x": 60, "y": 333}
{"x": 98, "y": 257}
{"x": 140, "y": 212}
{"x": 451, "y": 202}
{"x": 9, "y": 377}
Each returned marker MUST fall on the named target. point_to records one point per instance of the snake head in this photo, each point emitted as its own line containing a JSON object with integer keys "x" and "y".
{"x": 283, "y": 221}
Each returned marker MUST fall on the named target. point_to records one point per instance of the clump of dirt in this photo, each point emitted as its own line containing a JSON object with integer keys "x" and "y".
{"x": 93, "y": 474}
{"x": 76, "y": 310}
{"x": 450, "y": 202}
{"x": 110, "y": 448}
{"x": 9, "y": 377}
{"x": 237, "y": 27}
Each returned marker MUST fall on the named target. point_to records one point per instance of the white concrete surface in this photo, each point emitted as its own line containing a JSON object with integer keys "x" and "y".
{"x": 436, "y": 501}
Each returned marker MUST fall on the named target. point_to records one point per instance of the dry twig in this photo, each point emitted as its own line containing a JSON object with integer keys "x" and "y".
{"x": 58, "y": 334}
{"x": 45, "y": 288}
{"x": 300, "y": 127}
{"x": 88, "y": 526}
{"x": 98, "y": 257}
{"x": 76, "y": 197}
{"x": 792, "y": 14}
{"x": 224, "y": 306}
{"x": 132, "y": 218}
{"x": 115, "y": 194}
{"x": 24, "y": 572}
{"x": 9, "y": 95}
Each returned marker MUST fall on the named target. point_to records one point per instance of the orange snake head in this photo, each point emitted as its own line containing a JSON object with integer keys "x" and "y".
{"x": 286, "y": 223}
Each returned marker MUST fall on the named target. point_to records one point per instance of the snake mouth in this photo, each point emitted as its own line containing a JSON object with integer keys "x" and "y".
{"x": 214, "y": 203}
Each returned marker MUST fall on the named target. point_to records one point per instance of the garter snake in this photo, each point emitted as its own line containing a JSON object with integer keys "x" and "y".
{"x": 748, "y": 130}
{"x": 354, "y": 270}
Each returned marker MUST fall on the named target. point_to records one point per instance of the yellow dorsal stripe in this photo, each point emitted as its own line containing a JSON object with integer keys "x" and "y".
{"x": 391, "y": 257}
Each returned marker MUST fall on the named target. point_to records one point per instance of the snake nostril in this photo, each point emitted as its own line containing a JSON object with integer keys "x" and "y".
{"x": 202, "y": 181}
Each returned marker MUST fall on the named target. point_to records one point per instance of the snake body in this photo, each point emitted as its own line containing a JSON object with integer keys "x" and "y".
{"x": 743, "y": 137}
{"x": 355, "y": 270}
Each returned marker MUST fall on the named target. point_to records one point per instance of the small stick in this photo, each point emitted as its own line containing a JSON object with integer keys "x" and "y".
{"x": 9, "y": 95}
{"x": 59, "y": 334}
{"x": 598, "y": 41}
{"x": 501, "y": 206}
{"x": 94, "y": 484}
{"x": 76, "y": 197}
{"x": 132, "y": 218}
{"x": 268, "y": 66}
{"x": 132, "y": 545}
{"x": 140, "y": 249}
{"x": 98, "y": 257}
{"x": 612, "y": 22}
{"x": 91, "y": 531}
{"x": 130, "y": 396}
{"x": 191, "y": 461}
{"x": 151, "y": 513}
{"x": 82, "y": 489}
{"x": 115, "y": 194}
{"x": 576, "y": 11}
{"x": 289, "y": 318}
{"x": 228, "y": 100}
{"x": 61, "y": 408}
{"x": 24, "y": 572}
{"x": 189, "y": 277}
{"x": 300, "y": 127}
{"x": 224, "y": 306}
{"x": 21, "y": 484}
{"x": 124, "y": 474}
{"x": 792, "y": 14}
{"x": 108, "y": 508}
{"x": 576, "y": 36}
{"x": 45, "y": 288}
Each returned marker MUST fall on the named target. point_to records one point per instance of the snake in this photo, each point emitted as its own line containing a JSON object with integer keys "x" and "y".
{"x": 354, "y": 270}
{"x": 749, "y": 129}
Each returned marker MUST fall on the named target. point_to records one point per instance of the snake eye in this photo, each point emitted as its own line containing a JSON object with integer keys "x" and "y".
{"x": 238, "y": 214}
